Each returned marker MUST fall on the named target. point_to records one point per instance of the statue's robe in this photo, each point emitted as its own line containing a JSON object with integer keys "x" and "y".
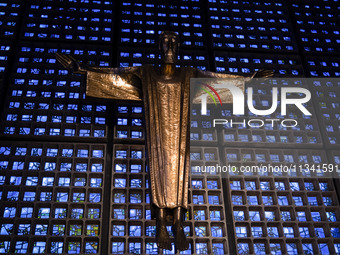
{"x": 166, "y": 104}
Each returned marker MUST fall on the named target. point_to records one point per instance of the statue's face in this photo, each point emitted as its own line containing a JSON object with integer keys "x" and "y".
{"x": 169, "y": 47}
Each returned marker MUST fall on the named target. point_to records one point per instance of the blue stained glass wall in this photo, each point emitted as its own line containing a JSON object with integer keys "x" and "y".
{"x": 73, "y": 169}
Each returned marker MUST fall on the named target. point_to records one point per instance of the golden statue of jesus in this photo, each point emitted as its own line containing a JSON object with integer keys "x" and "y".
{"x": 165, "y": 93}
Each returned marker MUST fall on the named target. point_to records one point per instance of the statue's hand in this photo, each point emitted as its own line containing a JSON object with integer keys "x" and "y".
{"x": 264, "y": 74}
{"x": 69, "y": 62}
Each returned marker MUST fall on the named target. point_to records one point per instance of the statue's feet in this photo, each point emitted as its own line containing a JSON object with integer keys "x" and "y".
{"x": 181, "y": 241}
{"x": 162, "y": 237}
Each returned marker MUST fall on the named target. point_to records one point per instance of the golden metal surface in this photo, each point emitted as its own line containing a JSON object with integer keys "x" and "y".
{"x": 166, "y": 103}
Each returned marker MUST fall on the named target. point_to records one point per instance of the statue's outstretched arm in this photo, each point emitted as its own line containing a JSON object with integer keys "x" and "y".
{"x": 70, "y": 63}
{"x": 263, "y": 74}
{"x": 224, "y": 93}
{"x": 259, "y": 74}
{"x": 103, "y": 82}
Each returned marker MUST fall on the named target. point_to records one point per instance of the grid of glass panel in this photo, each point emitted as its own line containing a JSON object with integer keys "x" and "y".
{"x": 276, "y": 215}
{"x": 318, "y": 25}
{"x": 139, "y": 56}
{"x": 51, "y": 197}
{"x": 285, "y": 215}
{"x": 207, "y": 209}
{"x": 266, "y": 207}
{"x": 4, "y": 51}
{"x": 323, "y": 67}
{"x": 77, "y": 20}
{"x": 142, "y": 21}
{"x": 251, "y": 25}
{"x": 9, "y": 16}
{"x": 129, "y": 122}
{"x": 44, "y": 99}
{"x": 327, "y": 93}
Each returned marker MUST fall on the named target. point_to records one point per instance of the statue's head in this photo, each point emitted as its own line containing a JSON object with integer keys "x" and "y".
{"x": 168, "y": 45}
